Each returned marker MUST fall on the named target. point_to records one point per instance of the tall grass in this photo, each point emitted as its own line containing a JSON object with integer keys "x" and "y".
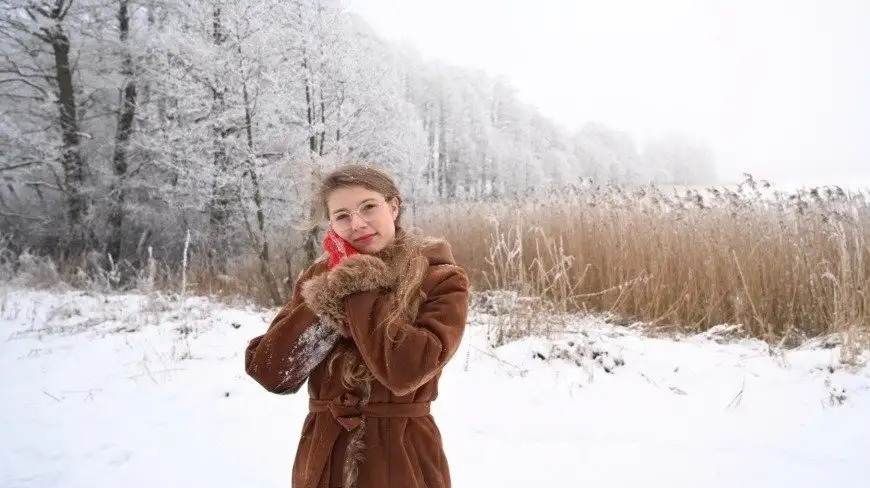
{"x": 779, "y": 264}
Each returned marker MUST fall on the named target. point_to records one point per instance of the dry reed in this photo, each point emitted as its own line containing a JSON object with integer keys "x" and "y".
{"x": 776, "y": 263}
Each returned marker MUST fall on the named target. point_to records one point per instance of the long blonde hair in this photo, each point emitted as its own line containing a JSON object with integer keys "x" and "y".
{"x": 404, "y": 254}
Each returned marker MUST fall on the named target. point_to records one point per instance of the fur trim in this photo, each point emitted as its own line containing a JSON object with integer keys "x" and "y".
{"x": 321, "y": 301}
{"x": 360, "y": 272}
{"x": 325, "y": 294}
{"x": 354, "y": 455}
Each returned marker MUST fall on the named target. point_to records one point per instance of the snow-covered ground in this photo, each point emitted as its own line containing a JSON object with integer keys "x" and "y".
{"x": 136, "y": 391}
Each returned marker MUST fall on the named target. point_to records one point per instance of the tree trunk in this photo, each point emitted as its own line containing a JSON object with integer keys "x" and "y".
{"x": 309, "y": 104}
{"x": 221, "y": 194}
{"x": 71, "y": 161}
{"x": 268, "y": 276}
{"x": 430, "y": 157}
{"x": 126, "y": 114}
{"x": 309, "y": 245}
{"x": 322, "y": 131}
{"x": 442, "y": 155}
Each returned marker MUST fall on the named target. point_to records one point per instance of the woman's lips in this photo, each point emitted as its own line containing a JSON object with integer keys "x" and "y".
{"x": 364, "y": 239}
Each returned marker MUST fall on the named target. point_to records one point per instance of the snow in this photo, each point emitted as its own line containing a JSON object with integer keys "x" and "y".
{"x": 313, "y": 347}
{"x": 145, "y": 391}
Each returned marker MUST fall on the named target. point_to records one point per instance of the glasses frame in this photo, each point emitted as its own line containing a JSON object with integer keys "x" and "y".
{"x": 358, "y": 213}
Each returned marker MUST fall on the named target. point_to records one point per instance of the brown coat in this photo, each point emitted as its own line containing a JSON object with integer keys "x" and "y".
{"x": 369, "y": 424}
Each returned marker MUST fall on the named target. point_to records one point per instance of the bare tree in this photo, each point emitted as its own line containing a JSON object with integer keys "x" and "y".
{"x": 38, "y": 61}
{"x": 126, "y": 114}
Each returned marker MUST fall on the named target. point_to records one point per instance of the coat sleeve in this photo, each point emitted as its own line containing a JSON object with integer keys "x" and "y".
{"x": 294, "y": 344}
{"x": 420, "y": 349}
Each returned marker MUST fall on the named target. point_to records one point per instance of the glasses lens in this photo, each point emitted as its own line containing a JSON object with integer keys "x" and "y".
{"x": 340, "y": 221}
{"x": 368, "y": 210}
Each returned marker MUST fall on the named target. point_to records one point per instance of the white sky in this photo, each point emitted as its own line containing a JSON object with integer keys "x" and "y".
{"x": 779, "y": 88}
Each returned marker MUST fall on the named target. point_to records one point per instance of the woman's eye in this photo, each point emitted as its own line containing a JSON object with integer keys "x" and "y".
{"x": 368, "y": 207}
{"x": 340, "y": 217}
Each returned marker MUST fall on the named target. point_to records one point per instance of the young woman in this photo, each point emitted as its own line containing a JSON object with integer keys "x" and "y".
{"x": 370, "y": 326}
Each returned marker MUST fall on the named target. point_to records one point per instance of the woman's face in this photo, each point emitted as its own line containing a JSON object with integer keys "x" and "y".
{"x": 363, "y": 217}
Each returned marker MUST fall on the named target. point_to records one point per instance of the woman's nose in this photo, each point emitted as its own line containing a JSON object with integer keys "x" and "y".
{"x": 357, "y": 222}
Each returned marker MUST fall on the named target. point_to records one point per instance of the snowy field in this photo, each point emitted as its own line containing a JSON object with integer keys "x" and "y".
{"x": 134, "y": 391}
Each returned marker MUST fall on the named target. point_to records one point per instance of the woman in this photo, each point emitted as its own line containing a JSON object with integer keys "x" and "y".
{"x": 370, "y": 326}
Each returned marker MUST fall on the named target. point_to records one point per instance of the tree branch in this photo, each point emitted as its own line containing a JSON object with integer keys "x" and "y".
{"x": 40, "y": 183}
{"x": 28, "y": 83}
{"x": 20, "y": 216}
{"x": 66, "y": 10}
{"x": 23, "y": 28}
{"x": 19, "y": 166}
{"x": 17, "y": 71}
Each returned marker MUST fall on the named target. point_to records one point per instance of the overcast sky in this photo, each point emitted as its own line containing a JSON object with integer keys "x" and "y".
{"x": 777, "y": 88}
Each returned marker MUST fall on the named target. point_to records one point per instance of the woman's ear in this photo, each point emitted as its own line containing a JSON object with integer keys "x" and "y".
{"x": 395, "y": 203}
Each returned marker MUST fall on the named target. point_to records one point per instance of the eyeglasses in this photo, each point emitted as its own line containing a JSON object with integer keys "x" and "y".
{"x": 342, "y": 220}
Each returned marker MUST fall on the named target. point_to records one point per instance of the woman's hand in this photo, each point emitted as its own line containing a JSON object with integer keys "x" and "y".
{"x": 337, "y": 248}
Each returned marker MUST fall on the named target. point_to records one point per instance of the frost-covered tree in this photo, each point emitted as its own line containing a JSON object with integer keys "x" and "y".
{"x": 124, "y": 124}
{"x": 42, "y": 106}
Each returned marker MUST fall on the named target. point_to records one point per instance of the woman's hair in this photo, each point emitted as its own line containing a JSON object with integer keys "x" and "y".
{"x": 351, "y": 175}
{"x": 411, "y": 265}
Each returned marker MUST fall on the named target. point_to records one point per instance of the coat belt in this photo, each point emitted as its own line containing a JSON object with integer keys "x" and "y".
{"x": 348, "y": 413}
